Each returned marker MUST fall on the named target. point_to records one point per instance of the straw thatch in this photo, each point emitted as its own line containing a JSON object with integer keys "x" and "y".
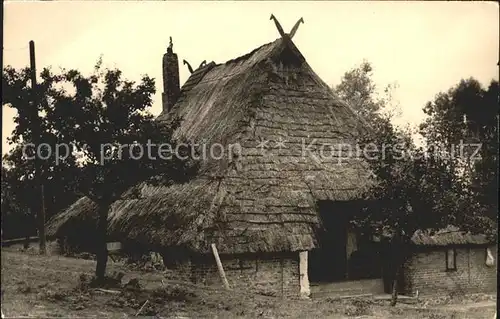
{"x": 450, "y": 236}
{"x": 252, "y": 199}
{"x": 80, "y": 214}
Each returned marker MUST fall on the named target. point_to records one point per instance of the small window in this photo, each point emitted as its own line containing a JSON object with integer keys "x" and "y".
{"x": 451, "y": 259}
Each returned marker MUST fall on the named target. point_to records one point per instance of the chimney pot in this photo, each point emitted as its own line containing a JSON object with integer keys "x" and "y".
{"x": 171, "y": 87}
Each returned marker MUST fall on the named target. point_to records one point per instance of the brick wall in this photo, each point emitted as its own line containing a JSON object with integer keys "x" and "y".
{"x": 426, "y": 271}
{"x": 274, "y": 275}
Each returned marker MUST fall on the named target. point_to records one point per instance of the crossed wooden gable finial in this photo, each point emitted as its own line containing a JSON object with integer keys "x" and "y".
{"x": 280, "y": 29}
{"x": 202, "y": 64}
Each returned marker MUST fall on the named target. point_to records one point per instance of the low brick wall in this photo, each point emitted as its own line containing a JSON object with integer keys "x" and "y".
{"x": 426, "y": 272}
{"x": 274, "y": 275}
{"x": 52, "y": 247}
{"x": 348, "y": 288}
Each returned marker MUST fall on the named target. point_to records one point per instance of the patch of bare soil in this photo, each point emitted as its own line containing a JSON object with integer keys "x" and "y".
{"x": 53, "y": 286}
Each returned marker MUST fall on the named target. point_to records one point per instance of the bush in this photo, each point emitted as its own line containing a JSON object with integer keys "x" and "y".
{"x": 359, "y": 307}
{"x": 175, "y": 293}
{"x": 55, "y": 295}
{"x": 86, "y": 281}
{"x": 24, "y": 288}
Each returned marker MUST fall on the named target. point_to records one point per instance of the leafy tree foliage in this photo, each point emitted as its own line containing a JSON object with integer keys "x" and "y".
{"x": 58, "y": 175}
{"x": 465, "y": 120}
{"x": 111, "y": 142}
{"x": 16, "y": 220}
{"x": 358, "y": 88}
{"x": 420, "y": 187}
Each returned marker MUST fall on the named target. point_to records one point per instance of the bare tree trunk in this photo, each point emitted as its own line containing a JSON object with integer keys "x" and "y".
{"x": 394, "y": 296}
{"x": 397, "y": 246}
{"x": 102, "y": 250}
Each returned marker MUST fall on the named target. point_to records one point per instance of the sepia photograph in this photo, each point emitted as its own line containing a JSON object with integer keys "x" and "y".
{"x": 250, "y": 159}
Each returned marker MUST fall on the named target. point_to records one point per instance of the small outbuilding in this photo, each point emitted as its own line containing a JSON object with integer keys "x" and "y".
{"x": 450, "y": 261}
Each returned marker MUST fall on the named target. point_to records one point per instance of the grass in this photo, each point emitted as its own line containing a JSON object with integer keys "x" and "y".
{"x": 55, "y": 286}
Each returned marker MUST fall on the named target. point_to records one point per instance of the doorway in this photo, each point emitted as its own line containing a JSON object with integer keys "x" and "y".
{"x": 343, "y": 253}
{"x": 328, "y": 262}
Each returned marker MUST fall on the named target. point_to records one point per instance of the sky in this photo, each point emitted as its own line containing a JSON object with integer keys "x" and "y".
{"x": 424, "y": 47}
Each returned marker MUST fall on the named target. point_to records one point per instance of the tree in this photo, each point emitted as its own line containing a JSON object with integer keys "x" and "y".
{"x": 56, "y": 175}
{"x": 110, "y": 127}
{"x": 464, "y": 120}
{"x": 14, "y": 215}
{"x": 103, "y": 119}
{"x": 359, "y": 90}
{"x": 414, "y": 187}
{"x": 414, "y": 190}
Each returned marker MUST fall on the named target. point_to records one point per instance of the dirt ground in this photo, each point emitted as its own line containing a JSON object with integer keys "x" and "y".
{"x": 55, "y": 286}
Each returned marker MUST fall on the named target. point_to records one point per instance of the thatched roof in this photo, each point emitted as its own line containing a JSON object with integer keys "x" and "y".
{"x": 450, "y": 236}
{"x": 256, "y": 201}
{"x": 75, "y": 224}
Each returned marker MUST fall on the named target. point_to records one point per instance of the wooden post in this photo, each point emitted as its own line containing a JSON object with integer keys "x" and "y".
{"x": 468, "y": 262}
{"x": 27, "y": 238}
{"x": 305, "y": 291}
{"x": 282, "y": 266}
{"x": 36, "y": 140}
{"x": 490, "y": 259}
{"x": 219, "y": 266}
{"x": 43, "y": 242}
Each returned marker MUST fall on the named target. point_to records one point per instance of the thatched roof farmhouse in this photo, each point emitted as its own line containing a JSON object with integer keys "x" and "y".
{"x": 281, "y": 128}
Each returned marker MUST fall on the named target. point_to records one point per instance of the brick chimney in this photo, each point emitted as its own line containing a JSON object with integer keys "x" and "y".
{"x": 171, "y": 87}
